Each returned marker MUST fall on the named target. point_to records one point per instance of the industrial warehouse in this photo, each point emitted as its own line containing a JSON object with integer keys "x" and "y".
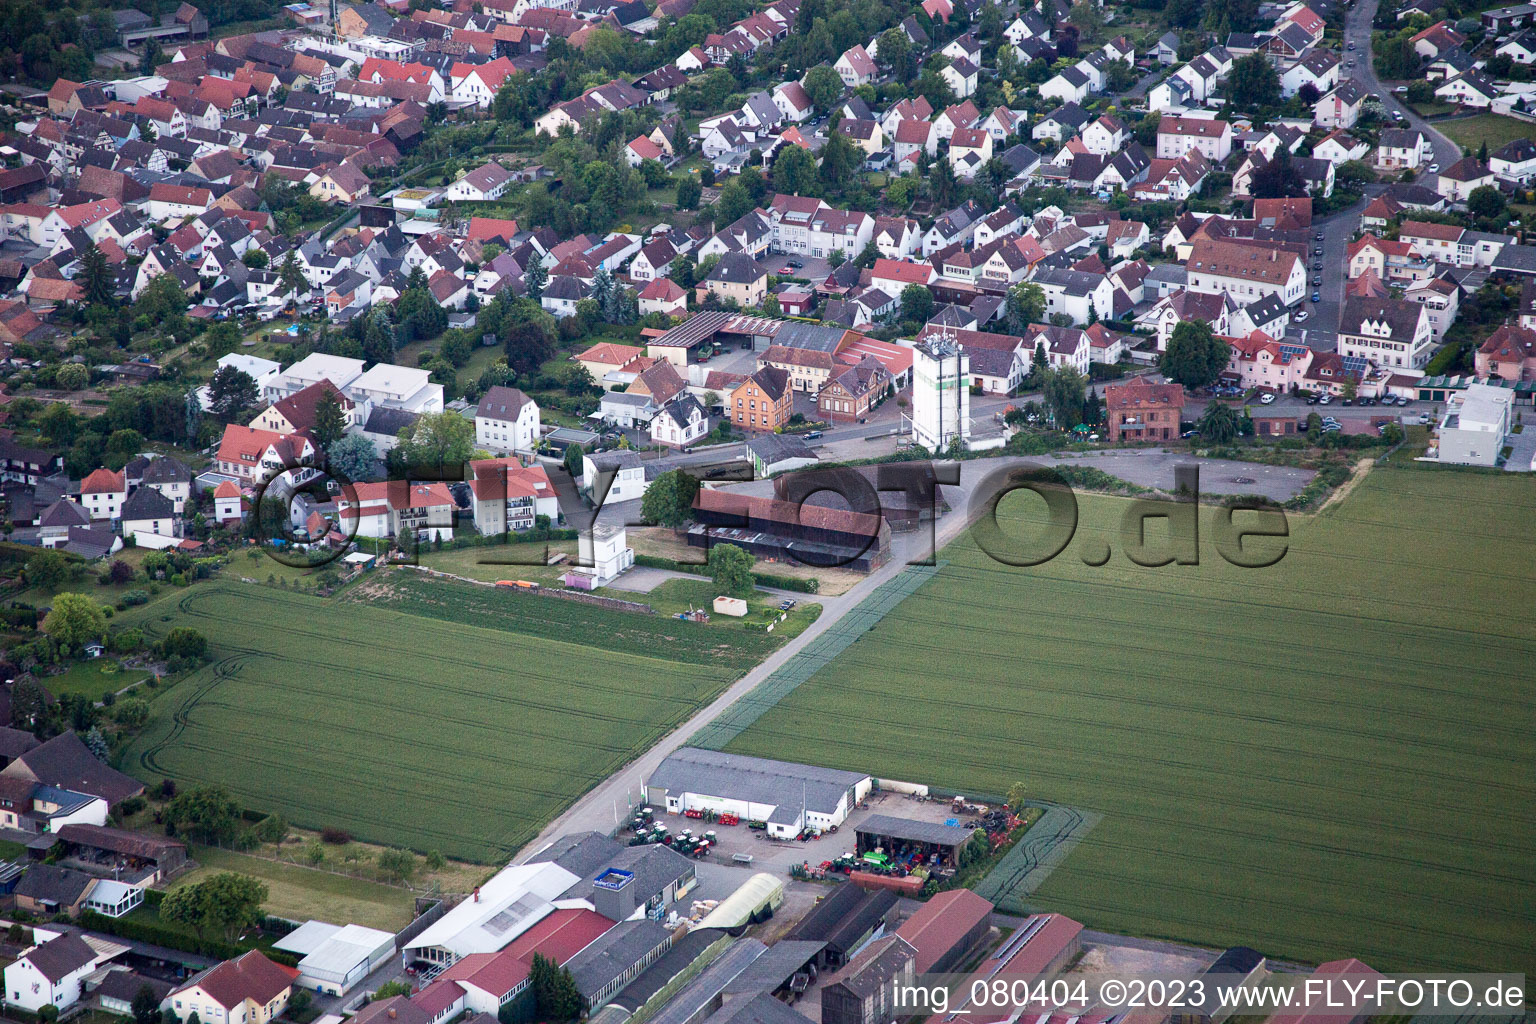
{"x": 787, "y": 797}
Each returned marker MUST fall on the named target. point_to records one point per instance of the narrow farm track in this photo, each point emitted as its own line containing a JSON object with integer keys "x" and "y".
{"x": 1332, "y": 757}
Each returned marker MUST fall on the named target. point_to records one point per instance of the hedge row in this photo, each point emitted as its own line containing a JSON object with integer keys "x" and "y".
{"x": 171, "y": 938}
{"x": 763, "y": 579}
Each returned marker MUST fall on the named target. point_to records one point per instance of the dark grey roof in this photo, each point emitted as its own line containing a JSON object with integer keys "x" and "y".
{"x": 654, "y": 866}
{"x": 15, "y": 742}
{"x": 913, "y": 830}
{"x": 773, "y": 448}
{"x": 501, "y": 403}
{"x": 614, "y": 952}
{"x": 1270, "y": 307}
{"x": 124, "y": 985}
{"x": 580, "y": 853}
{"x": 389, "y": 421}
{"x": 676, "y": 961}
{"x": 65, "y": 512}
{"x": 809, "y": 336}
{"x": 844, "y": 915}
{"x": 875, "y": 965}
{"x": 702, "y": 994}
{"x": 58, "y": 958}
{"x": 762, "y": 1008}
{"x": 53, "y": 884}
{"x": 776, "y": 966}
{"x": 620, "y": 458}
{"x": 146, "y": 503}
{"x": 68, "y": 763}
{"x": 757, "y": 779}
{"x": 1400, "y": 316}
{"x": 737, "y": 268}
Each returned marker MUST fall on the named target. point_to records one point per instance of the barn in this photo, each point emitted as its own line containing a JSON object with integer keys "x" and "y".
{"x": 787, "y": 797}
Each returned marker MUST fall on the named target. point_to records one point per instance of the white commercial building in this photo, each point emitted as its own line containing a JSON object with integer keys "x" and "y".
{"x": 336, "y": 957}
{"x": 1475, "y": 424}
{"x": 312, "y": 369}
{"x": 787, "y": 796}
{"x": 515, "y": 899}
{"x": 396, "y": 387}
{"x": 941, "y": 396}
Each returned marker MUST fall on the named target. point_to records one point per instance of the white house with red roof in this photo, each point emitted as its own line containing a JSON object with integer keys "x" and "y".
{"x": 254, "y": 456}
{"x": 510, "y": 496}
{"x": 227, "y": 503}
{"x": 397, "y": 508}
{"x": 479, "y": 83}
{"x": 855, "y": 66}
{"x": 249, "y": 989}
{"x": 893, "y": 276}
{"x": 792, "y": 101}
{"x": 103, "y": 492}
{"x": 641, "y": 149}
{"x": 663, "y": 295}
{"x": 1259, "y": 361}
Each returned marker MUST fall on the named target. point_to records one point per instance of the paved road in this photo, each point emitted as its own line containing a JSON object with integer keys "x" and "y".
{"x": 1357, "y": 29}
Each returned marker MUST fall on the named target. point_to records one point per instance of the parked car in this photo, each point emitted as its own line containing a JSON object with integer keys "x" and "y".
{"x": 1311, "y": 399}
{"x": 786, "y": 605}
{"x": 1301, "y": 317}
{"x": 1316, "y": 297}
{"x": 1317, "y": 237}
{"x": 1325, "y": 400}
{"x": 1434, "y": 168}
{"x": 1266, "y": 398}
{"x": 813, "y": 435}
{"x": 1349, "y": 45}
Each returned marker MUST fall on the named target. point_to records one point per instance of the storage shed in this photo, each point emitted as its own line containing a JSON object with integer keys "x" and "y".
{"x": 336, "y": 957}
{"x": 788, "y": 797}
{"x": 902, "y": 837}
{"x": 762, "y": 892}
{"x": 846, "y": 920}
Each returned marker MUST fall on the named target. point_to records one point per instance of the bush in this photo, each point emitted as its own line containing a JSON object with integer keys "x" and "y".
{"x": 173, "y": 938}
{"x": 335, "y": 836}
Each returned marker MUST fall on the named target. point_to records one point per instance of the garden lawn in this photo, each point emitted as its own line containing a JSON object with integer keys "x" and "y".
{"x": 300, "y": 893}
{"x": 87, "y": 679}
{"x": 1494, "y": 129}
{"x": 424, "y": 714}
{"x": 1332, "y": 757}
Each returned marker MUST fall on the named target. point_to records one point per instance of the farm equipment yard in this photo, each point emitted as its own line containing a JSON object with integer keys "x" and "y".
{"x": 719, "y": 872}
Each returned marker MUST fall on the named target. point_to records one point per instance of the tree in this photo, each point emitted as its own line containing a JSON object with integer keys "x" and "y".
{"x": 183, "y": 641}
{"x": 534, "y": 280}
{"x": 291, "y": 276}
{"x": 1195, "y": 356}
{"x": 1018, "y": 793}
{"x": 668, "y": 501}
{"x": 230, "y": 392}
{"x": 1277, "y": 179}
{"x": 399, "y": 865}
{"x": 1253, "y": 82}
{"x": 554, "y": 990}
{"x": 256, "y": 259}
{"x": 208, "y": 815}
{"x": 840, "y": 160}
{"x": 1062, "y": 390}
{"x": 688, "y": 192}
{"x": 96, "y": 277}
{"x": 528, "y": 344}
{"x": 942, "y": 186}
{"x": 1219, "y": 423}
{"x": 916, "y": 303}
{"x": 74, "y": 621}
{"x": 145, "y": 1006}
{"x": 794, "y": 171}
{"x": 573, "y": 456}
{"x": 352, "y": 457}
{"x": 1026, "y": 305}
{"x": 437, "y": 440}
{"x": 330, "y": 421}
{"x": 152, "y": 56}
{"x": 47, "y": 569}
{"x": 1485, "y": 201}
{"x": 822, "y": 87}
{"x": 226, "y": 903}
{"x": 894, "y": 53}
{"x": 734, "y": 202}
{"x": 96, "y": 743}
{"x": 390, "y": 989}
{"x": 730, "y": 567}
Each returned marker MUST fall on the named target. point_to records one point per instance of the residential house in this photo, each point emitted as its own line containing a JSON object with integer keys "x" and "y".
{"x": 506, "y": 420}
{"x": 1458, "y": 181}
{"x": 1178, "y": 135}
{"x": 249, "y": 989}
{"x": 1245, "y": 272}
{"x": 679, "y": 422}
{"x": 736, "y": 277}
{"x": 1402, "y": 149}
{"x": 855, "y": 67}
{"x": 1440, "y": 298}
{"x": 1390, "y": 333}
{"x": 52, "y": 974}
{"x": 509, "y": 496}
{"x": 852, "y": 393}
{"x": 764, "y": 401}
{"x": 1143, "y": 411}
{"x": 485, "y": 183}
{"x": 808, "y": 369}
{"x": 1515, "y": 161}
{"x": 103, "y": 492}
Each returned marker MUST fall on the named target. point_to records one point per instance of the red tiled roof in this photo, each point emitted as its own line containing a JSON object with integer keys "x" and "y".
{"x": 251, "y": 976}
{"x": 103, "y": 481}
{"x": 942, "y": 922}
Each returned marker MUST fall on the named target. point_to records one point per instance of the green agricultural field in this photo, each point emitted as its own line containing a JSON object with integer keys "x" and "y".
{"x": 462, "y": 729}
{"x": 1331, "y": 757}
{"x": 1494, "y": 129}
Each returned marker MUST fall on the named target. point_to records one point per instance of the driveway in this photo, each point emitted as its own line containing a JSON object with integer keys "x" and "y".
{"x": 1357, "y": 30}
